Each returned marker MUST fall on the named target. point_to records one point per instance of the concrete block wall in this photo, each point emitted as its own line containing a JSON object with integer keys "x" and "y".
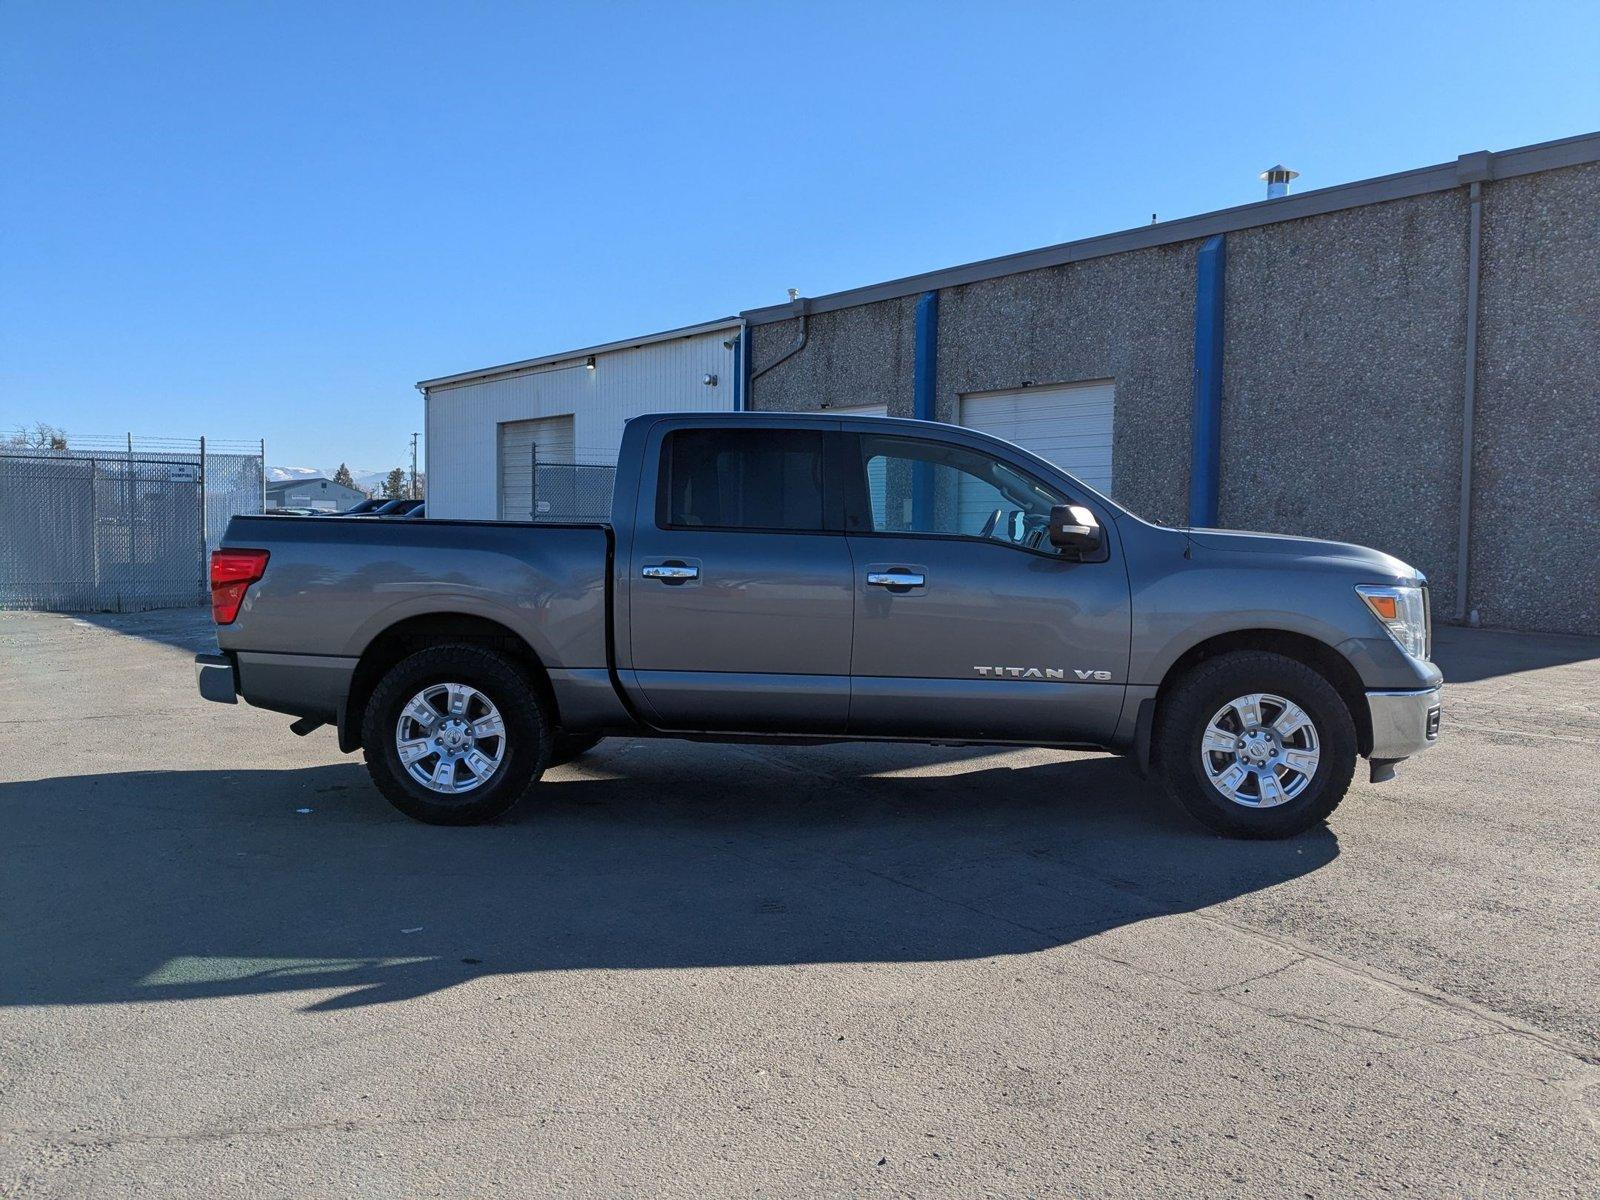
{"x": 853, "y": 356}
{"x": 1342, "y": 379}
{"x": 1344, "y": 373}
{"x": 1127, "y": 317}
{"x": 1536, "y": 488}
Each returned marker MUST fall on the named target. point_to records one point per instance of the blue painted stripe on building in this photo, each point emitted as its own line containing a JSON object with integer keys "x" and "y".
{"x": 740, "y": 382}
{"x": 1205, "y": 461}
{"x": 924, "y": 402}
{"x": 925, "y": 385}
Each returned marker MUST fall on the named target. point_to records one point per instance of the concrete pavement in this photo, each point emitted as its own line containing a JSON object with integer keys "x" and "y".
{"x": 228, "y": 968}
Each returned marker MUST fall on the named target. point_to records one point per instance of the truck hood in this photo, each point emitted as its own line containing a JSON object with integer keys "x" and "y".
{"x": 1275, "y": 548}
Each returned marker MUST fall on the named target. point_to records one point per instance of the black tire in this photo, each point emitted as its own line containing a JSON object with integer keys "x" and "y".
{"x": 567, "y": 748}
{"x": 1189, "y": 708}
{"x": 527, "y": 740}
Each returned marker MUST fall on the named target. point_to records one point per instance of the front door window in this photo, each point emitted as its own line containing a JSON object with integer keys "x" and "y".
{"x": 935, "y": 489}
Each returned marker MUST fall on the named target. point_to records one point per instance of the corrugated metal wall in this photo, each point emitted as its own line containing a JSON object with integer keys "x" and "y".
{"x": 462, "y": 421}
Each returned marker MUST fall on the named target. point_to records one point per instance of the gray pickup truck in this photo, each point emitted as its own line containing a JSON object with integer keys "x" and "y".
{"x": 814, "y": 578}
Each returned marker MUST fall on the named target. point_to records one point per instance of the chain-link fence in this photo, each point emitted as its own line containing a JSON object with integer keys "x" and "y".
{"x": 87, "y": 529}
{"x": 233, "y": 486}
{"x": 572, "y": 492}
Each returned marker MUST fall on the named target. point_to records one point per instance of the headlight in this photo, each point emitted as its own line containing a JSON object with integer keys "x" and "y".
{"x": 1403, "y": 613}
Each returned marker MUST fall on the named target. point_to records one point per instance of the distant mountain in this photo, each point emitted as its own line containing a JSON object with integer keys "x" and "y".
{"x": 366, "y": 480}
{"x": 282, "y": 474}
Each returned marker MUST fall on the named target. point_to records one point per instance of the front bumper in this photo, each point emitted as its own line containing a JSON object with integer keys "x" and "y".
{"x": 1403, "y": 723}
{"x": 215, "y": 675}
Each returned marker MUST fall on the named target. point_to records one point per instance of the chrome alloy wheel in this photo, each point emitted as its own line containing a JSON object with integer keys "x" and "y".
{"x": 450, "y": 738}
{"x": 1260, "y": 750}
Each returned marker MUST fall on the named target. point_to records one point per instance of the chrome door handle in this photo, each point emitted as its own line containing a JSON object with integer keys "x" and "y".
{"x": 665, "y": 571}
{"x": 896, "y": 579}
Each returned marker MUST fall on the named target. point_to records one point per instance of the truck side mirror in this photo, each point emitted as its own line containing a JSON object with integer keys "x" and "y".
{"x": 1073, "y": 528}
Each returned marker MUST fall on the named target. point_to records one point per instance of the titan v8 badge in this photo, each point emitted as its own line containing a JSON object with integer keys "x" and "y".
{"x": 1044, "y": 673}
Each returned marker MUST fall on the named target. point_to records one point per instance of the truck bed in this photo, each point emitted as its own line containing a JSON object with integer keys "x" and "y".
{"x": 333, "y": 585}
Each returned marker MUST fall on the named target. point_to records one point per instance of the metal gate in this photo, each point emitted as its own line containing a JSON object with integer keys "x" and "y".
{"x": 83, "y": 533}
{"x": 572, "y": 491}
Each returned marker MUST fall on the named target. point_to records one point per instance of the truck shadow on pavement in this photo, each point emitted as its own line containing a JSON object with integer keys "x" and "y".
{"x": 186, "y": 629}
{"x": 140, "y": 887}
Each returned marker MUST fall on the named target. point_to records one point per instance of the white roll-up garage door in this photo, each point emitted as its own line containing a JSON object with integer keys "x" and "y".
{"x": 548, "y": 438}
{"x": 1069, "y": 424}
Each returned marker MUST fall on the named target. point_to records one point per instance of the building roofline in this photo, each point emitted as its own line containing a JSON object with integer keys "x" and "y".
{"x": 529, "y": 364}
{"x": 1469, "y": 168}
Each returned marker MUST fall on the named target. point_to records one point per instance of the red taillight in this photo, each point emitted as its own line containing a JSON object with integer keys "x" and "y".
{"x": 232, "y": 573}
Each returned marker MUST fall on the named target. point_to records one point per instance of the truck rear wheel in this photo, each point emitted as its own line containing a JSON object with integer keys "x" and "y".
{"x": 455, "y": 735}
{"x": 1256, "y": 745}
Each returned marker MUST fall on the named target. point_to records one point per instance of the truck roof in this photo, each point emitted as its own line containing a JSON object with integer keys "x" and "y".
{"x": 787, "y": 418}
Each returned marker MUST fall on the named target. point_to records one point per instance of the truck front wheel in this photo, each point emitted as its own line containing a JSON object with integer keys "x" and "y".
{"x": 1256, "y": 745}
{"x": 455, "y": 735}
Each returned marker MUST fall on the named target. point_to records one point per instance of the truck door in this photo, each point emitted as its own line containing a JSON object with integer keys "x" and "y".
{"x": 968, "y": 622}
{"x": 740, "y": 591}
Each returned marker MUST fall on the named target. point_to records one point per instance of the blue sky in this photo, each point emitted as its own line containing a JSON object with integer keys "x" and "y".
{"x": 270, "y": 220}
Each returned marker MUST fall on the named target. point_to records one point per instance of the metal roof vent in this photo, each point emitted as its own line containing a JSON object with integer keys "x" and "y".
{"x": 1277, "y": 180}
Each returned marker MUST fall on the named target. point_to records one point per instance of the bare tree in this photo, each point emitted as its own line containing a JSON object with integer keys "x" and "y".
{"x": 40, "y": 437}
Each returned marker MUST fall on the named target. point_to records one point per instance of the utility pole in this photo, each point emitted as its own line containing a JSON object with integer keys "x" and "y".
{"x": 414, "y": 493}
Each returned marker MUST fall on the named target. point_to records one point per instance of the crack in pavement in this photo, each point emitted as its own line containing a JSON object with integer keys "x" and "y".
{"x": 1294, "y": 962}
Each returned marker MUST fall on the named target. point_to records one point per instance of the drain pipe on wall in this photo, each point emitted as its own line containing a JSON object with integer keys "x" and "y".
{"x": 741, "y": 377}
{"x": 1473, "y": 168}
{"x": 802, "y": 309}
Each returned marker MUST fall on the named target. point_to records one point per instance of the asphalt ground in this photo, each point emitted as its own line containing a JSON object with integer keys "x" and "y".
{"x": 229, "y": 968}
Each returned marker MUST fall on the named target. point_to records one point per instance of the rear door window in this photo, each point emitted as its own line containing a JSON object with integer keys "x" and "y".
{"x": 748, "y": 479}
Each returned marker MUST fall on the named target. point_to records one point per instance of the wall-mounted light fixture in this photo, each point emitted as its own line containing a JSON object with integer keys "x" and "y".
{"x": 589, "y": 362}
{"x": 709, "y": 380}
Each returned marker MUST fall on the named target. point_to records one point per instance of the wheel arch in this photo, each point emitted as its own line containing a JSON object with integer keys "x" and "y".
{"x": 414, "y": 633}
{"x": 1338, "y": 670}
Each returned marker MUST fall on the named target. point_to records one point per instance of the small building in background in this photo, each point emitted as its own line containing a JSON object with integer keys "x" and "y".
{"x": 494, "y": 434}
{"x": 324, "y": 495}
